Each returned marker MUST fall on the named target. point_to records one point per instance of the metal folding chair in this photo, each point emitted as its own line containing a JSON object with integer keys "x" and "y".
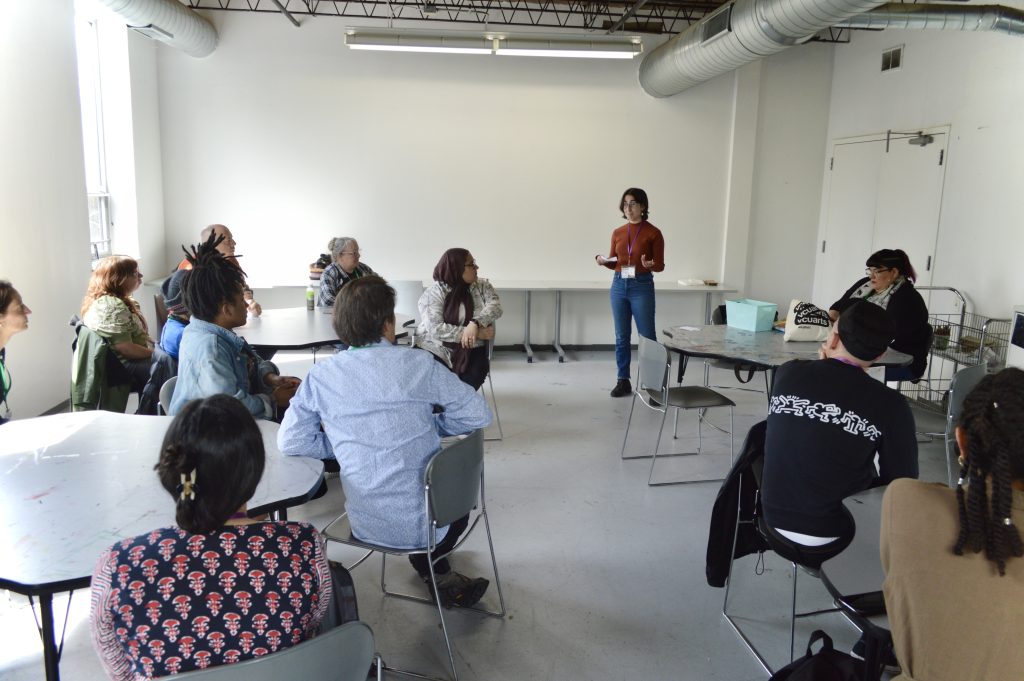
{"x": 453, "y": 485}
{"x": 652, "y": 387}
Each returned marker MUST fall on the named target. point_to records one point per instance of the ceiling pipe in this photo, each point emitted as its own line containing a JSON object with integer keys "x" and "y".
{"x": 940, "y": 17}
{"x": 747, "y": 30}
{"x": 168, "y": 21}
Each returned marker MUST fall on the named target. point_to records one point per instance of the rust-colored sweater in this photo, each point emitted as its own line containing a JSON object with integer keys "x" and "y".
{"x": 648, "y": 241}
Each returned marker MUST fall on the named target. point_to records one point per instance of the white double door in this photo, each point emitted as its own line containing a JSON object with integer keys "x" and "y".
{"x": 883, "y": 192}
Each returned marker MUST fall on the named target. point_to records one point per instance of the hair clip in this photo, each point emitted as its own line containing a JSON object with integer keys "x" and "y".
{"x": 1007, "y": 521}
{"x": 187, "y": 486}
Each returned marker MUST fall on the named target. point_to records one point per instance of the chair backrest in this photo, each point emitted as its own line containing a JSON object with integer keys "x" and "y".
{"x": 453, "y": 479}
{"x": 340, "y": 654}
{"x": 161, "y": 313}
{"x": 960, "y": 387}
{"x": 653, "y": 364}
{"x": 718, "y": 315}
{"x": 166, "y": 393}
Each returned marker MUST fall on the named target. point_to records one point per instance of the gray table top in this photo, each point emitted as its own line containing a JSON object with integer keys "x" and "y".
{"x": 73, "y": 484}
{"x": 858, "y": 569}
{"x": 767, "y": 348}
{"x": 296, "y": 328}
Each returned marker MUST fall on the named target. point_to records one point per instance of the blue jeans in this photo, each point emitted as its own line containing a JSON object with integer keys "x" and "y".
{"x": 632, "y": 299}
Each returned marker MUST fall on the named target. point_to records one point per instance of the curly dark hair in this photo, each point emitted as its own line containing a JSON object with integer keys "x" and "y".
{"x": 993, "y": 421}
{"x": 214, "y": 281}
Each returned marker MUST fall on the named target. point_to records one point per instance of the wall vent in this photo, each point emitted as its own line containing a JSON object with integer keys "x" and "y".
{"x": 716, "y": 25}
{"x": 892, "y": 58}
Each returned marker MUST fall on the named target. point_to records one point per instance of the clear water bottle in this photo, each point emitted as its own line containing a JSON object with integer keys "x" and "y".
{"x": 310, "y": 298}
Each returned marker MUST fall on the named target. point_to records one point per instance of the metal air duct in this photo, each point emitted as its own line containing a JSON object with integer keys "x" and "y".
{"x": 747, "y": 30}
{"x": 941, "y": 17}
{"x": 168, "y": 21}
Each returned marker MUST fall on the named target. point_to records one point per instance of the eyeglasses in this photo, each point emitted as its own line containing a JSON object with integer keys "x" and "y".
{"x": 474, "y": 265}
{"x": 629, "y": 204}
{"x": 355, "y": 253}
{"x": 872, "y": 271}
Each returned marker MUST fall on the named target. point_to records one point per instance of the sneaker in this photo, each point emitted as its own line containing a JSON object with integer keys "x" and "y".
{"x": 459, "y": 591}
{"x": 889, "y": 662}
{"x": 622, "y": 388}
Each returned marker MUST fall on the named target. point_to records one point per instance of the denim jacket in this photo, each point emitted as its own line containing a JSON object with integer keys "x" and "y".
{"x": 213, "y": 361}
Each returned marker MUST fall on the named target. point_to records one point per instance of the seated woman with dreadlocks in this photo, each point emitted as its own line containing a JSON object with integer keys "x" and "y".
{"x": 219, "y": 587}
{"x": 213, "y": 359}
{"x": 958, "y": 614}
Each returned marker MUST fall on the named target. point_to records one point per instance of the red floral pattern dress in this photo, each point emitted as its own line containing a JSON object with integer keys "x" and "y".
{"x": 169, "y": 601}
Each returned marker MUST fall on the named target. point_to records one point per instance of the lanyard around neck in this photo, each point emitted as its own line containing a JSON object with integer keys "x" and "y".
{"x": 630, "y": 244}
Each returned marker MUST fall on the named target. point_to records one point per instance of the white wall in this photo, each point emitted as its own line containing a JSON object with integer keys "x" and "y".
{"x": 791, "y": 143}
{"x": 290, "y": 138}
{"x": 43, "y": 212}
{"x": 973, "y": 82}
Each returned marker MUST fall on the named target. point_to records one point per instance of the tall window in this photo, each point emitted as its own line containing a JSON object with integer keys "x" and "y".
{"x": 92, "y": 137}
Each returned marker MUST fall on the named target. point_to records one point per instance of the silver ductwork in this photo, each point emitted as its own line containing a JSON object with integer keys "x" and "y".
{"x": 753, "y": 29}
{"x": 941, "y": 17}
{"x": 168, "y": 21}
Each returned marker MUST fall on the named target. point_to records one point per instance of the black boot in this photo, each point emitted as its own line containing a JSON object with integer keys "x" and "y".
{"x": 622, "y": 388}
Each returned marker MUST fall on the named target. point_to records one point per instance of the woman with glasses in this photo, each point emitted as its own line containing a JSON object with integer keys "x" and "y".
{"x": 13, "y": 319}
{"x": 110, "y": 311}
{"x": 890, "y": 285}
{"x": 344, "y": 267}
{"x": 457, "y": 315}
{"x": 637, "y": 251}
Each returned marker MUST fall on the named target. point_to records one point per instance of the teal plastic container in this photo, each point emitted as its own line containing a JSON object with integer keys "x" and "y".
{"x": 750, "y": 315}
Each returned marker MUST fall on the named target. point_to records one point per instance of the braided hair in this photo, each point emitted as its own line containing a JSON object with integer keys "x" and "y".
{"x": 211, "y": 460}
{"x": 993, "y": 422}
{"x": 214, "y": 281}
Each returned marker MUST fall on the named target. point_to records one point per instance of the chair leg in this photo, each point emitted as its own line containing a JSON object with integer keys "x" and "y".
{"x": 440, "y": 613}
{"x": 629, "y": 420}
{"x": 497, "y": 416}
{"x": 792, "y": 616}
{"x": 494, "y": 566}
{"x": 657, "y": 443}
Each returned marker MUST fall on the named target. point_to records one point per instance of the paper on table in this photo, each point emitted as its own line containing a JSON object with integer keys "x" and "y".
{"x": 688, "y": 328}
{"x": 614, "y": 258}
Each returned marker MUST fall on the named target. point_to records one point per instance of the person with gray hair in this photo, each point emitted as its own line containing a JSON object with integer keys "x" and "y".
{"x": 226, "y": 247}
{"x": 344, "y": 267}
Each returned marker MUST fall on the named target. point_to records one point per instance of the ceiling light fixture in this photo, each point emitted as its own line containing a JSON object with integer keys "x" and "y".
{"x": 493, "y": 43}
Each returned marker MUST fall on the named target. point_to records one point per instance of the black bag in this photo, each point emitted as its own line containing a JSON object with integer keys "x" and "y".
{"x": 828, "y": 664}
{"x": 343, "y": 608}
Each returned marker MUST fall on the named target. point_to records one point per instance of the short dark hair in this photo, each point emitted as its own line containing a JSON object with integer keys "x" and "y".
{"x": 865, "y": 330}
{"x": 893, "y": 259}
{"x": 993, "y": 421}
{"x": 640, "y": 196}
{"x": 214, "y": 279}
{"x": 361, "y": 310}
{"x": 7, "y": 295}
{"x": 217, "y": 438}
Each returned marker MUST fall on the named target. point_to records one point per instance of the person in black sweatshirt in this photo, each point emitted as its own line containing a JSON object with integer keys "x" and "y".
{"x": 826, "y": 421}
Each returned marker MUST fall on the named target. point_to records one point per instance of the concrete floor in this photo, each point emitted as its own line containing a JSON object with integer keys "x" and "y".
{"x": 603, "y": 576}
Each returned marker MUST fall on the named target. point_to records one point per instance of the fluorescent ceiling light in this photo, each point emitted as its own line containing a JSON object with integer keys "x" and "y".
{"x": 410, "y": 42}
{"x": 491, "y": 43}
{"x": 585, "y": 49}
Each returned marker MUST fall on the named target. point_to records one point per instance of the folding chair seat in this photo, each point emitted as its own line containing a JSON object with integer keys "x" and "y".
{"x": 453, "y": 485}
{"x": 652, "y": 388}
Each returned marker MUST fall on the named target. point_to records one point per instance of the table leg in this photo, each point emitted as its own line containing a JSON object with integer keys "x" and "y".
{"x": 707, "y": 308}
{"x": 51, "y": 657}
{"x": 558, "y": 326}
{"x": 526, "y": 337}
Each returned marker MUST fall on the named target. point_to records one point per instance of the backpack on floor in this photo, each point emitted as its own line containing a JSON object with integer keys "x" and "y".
{"x": 828, "y": 664}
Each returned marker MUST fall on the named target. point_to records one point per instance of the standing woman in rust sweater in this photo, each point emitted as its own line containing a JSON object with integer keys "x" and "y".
{"x": 637, "y": 252}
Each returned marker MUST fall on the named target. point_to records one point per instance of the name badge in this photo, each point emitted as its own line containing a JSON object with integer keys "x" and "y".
{"x": 628, "y": 272}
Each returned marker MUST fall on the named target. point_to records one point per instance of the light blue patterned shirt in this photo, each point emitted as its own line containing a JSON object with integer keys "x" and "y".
{"x": 376, "y": 405}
